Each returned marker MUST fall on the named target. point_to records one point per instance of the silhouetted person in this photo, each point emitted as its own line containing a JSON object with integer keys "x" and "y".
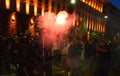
{"x": 74, "y": 53}
{"x": 1, "y": 53}
{"x": 25, "y": 56}
{"x": 39, "y": 58}
{"x": 103, "y": 58}
{"x": 90, "y": 54}
{"x": 48, "y": 60}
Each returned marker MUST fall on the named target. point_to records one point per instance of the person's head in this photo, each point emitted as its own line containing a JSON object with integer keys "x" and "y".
{"x": 102, "y": 42}
{"x": 116, "y": 40}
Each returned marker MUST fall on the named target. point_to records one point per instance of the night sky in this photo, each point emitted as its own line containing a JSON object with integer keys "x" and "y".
{"x": 116, "y": 3}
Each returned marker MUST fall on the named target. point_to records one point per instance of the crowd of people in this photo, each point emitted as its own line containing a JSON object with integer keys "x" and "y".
{"x": 25, "y": 55}
{"x": 101, "y": 56}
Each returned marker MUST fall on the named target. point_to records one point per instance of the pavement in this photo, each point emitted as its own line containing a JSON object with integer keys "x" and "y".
{"x": 59, "y": 71}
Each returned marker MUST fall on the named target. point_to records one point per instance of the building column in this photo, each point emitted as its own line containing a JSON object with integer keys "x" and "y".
{"x": 50, "y": 6}
{"x": 43, "y": 7}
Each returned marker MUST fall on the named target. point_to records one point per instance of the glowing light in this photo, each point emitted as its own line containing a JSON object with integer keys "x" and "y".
{"x": 104, "y": 29}
{"x": 90, "y": 26}
{"x": 51, "y": 29}
{"x": 13, "y": 17}
{"x": 101, "y": 28}
{"x": 94, "y": 4}
{"x": 50, "y": 6}
{"x": 73, "y": 1}
{"x": 88, "y": 36}
{"x": 105, "y": 17}
{"x": 31, "y": 27}
{"x": 97, "y": 27}
{"x": 83, "y": 0}
{"x": 27, "y": 6}
{"x": 101, "y": 7}
{"x": 89, "y": 3}
{"x": 35, "y": 7}
{"x": 87, "y": 23}
{"x": 61, "y": 17}
{"x": 18, "y": 5}
{"x": 32, "y": 21}
{"x": 7, "y": 4}
{"x": 43, "y": 8}
{"x": 12, "y": 24}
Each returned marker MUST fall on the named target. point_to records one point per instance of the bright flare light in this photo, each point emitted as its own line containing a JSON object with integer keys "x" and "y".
{"x": 53, "y": 27}
{"x": 7, "y": 4}
{"x": 13, "y": 18}
{"x": 61, "y": 17}
{"x": 27, "y": 6}
{"x": 105, "y": 17}
{"x": 18, "y": 5}
{"x": 73, "y": 1}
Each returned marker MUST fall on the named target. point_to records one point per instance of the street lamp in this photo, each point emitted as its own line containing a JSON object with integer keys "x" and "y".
{"x": 105, "y": 17}
{"x": 72, "y": 1}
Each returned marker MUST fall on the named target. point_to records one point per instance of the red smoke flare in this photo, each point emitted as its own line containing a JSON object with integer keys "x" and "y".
{"x": 55, "y": 27}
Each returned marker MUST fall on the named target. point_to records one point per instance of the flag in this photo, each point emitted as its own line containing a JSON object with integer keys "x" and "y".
{"x": 95, "y": 34}
{"x": 83, "y": 27}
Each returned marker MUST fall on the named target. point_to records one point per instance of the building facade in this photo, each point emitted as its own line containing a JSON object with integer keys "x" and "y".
{"x": 14, "y": 10}
{"x": 113, "y": 20}
{"x": 90, "y": 10}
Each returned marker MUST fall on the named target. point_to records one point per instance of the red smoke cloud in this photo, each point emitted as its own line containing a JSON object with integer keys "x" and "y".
{"x": 54, "y": 27}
